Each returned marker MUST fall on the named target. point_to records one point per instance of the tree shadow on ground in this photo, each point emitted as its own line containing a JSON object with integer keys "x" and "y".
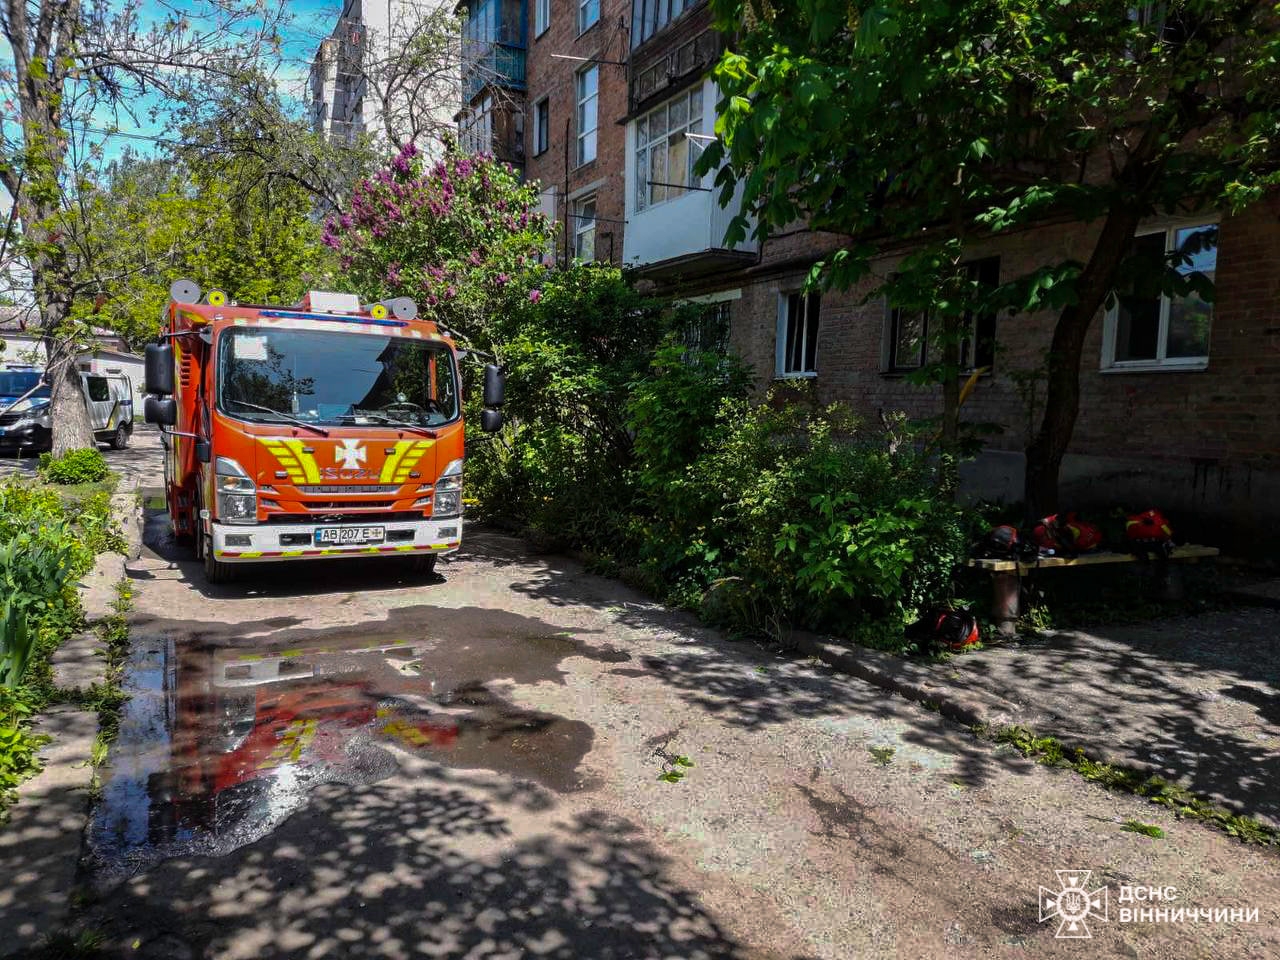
{"x": 1197, "y": 699}
{"x": 738, "y": 682}
{"x": 422, "y": 866}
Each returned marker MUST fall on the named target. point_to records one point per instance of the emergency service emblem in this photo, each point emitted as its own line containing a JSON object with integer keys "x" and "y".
{"x": 349, "y": 453}
{"x": 1073, "y": 904}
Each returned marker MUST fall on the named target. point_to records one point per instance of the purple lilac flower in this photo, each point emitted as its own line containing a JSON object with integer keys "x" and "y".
{"x": 535, "y": 295}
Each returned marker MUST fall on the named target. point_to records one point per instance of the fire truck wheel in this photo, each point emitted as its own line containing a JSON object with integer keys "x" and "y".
{"x": 120, "y": 439}
{"x": 424, "y": 566}
{"x": 215, "y": 571}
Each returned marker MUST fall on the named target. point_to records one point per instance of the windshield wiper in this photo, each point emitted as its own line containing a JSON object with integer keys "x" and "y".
{"x": 283, "y": 416}
{"x": 428, "y": 431}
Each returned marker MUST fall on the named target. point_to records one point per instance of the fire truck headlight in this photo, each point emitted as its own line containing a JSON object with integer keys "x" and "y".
{"x": 237, "y": 494}
{"x": 447, "y": 501}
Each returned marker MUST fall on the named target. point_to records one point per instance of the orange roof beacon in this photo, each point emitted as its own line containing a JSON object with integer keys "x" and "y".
{"x": 327, "y": 429}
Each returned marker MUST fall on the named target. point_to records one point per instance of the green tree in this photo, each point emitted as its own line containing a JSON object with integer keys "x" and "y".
{"x": 69, "y": 68}
{"x": 937, "y": 122}
{"x": 233, "y": 227}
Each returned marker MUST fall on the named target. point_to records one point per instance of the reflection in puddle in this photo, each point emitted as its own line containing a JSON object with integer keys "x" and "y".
{"x": 224, "y": 738}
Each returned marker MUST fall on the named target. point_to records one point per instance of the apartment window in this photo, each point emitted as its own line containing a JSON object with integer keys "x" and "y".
{"x": 797, "y": 345}
{"x": 664, "y": 153}
{"x": 588, "y": 82}
{"x": 584, "y": 228}
{"x": 650, "y": 16}
{"x": 476, "y": 135}
{"x": 588, "y": 14}
{"x": 907, "y": 336}
{"x": 1150, "y": 328}
{"x": 541, "y": 125}
{"x": 541, "y": 16}
{"x": 709, "y": 331}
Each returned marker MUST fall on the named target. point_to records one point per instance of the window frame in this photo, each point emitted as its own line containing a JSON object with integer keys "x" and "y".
{"x": 541, "y": 17}
{"x": 581, "y": 101}
{"x": 642, "y": 152}
{"x": 664, "y": 13}
{"x": 583, "y": 7}
{"x": 583, "y": 226}
{"x": 541, "y": 126}
{"x": 980, "y": 359}
{"x": 780, "y": 359}
{"x": 1111, "y": 317}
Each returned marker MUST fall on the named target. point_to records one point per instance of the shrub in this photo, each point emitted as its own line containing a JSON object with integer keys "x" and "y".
{"x": 74, "y": 466}
{"x": 791, "y": 516}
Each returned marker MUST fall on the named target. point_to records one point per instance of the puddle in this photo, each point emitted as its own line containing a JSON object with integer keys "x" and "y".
{"x": 225, "y": 736}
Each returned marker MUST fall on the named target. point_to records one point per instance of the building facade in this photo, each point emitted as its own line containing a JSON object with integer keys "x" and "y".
{"x": 1176, "y": 394}
{"x": 356, "y": 85}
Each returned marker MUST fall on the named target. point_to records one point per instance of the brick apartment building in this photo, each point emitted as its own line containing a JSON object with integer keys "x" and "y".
{"x": 1178, "y": 399}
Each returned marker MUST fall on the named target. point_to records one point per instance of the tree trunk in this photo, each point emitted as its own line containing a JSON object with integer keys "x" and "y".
{"x": 71, "y": 427}
{"x": 1062, "y": 393}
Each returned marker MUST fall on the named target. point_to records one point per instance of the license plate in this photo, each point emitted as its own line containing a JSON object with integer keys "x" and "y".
{"x": 345, "y": 536}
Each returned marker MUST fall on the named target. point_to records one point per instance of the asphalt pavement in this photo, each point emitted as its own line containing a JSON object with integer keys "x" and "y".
{"x": 516, "y": 758}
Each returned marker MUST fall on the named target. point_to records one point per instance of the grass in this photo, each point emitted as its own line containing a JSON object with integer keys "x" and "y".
{"x": 1184, "y": 804}
{"x": 108, "y": 699}
{"x": 882, "y": 755}
{"x": 1146, "y": 829}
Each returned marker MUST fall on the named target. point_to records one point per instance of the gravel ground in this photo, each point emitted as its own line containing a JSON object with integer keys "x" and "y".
{"x": 551, "y": 834}
{"x": 1197, "y": 698}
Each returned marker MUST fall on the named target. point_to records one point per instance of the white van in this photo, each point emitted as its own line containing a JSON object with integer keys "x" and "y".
{"x": 25, "y": 423}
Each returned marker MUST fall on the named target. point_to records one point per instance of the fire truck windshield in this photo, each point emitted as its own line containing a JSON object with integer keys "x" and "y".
{"x": 268, "y": 374}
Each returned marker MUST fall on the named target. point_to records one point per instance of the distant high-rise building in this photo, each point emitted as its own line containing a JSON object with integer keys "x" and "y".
{"x": 390, "y": 69}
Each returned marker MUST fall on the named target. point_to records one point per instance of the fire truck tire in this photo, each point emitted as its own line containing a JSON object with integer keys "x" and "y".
{"x": 424, "y": 566}
{"x": 215, "y": 571}
{"x": 120, "y": 439}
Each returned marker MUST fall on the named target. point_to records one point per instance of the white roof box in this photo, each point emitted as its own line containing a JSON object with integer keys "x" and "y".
{"x": 322, "y": 301}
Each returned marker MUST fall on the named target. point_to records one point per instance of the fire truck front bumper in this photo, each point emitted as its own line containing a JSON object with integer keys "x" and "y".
{"x": 316, "y": 541}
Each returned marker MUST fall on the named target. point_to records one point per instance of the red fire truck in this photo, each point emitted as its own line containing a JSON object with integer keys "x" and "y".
{"x": 327, "y": 429}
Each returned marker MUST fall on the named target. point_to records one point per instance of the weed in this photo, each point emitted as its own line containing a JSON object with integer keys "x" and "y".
{"x": 882, "y": 755}
{"x": 1184, "y": 804}
{"x": 1146, "y": 829}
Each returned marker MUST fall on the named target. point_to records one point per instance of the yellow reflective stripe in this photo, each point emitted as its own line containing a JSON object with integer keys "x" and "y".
{"x": 250, "y": 554}
{"x": 292, "y": 553}
{"x": 306, "y": 460}
{"x": 393, "y": 461}
{"x": 406, "y": 547}
{"x": 410, "y": 459}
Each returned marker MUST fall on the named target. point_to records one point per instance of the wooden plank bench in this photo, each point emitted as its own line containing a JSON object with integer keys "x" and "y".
{"x": 1006, "y": 575}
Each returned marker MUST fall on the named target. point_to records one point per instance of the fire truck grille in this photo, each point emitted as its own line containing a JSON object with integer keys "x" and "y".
{"x": 315, "y": 506}
{"x": 385, "y": 516}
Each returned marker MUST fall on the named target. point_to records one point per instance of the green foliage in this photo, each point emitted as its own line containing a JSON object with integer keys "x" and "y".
{"x": 882, "y": 755}
{"x": 1146, "y": 829}
{"x": 656, "y": 459}
{"x": 75, "y": 466}
{"x": 793, "y": 516}
{"x": 934, "y": 126}
{"x": 561, "y": 467}
{"x": 1185, "y": 804}
{"x": 18, "y": 748}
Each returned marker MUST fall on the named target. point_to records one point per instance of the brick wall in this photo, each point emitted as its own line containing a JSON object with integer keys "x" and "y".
{"x": 607, "y": 39}
{"x": 1208, "y": 439}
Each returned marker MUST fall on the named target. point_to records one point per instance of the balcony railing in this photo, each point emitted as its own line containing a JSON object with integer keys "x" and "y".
{"x": 498, "y": 64}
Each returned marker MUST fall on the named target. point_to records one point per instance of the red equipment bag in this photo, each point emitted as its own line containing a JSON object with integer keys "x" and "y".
{"x": 954, "y": 629}
{"x": 1067, "y": 534}
{"x": 1150, "y": 526}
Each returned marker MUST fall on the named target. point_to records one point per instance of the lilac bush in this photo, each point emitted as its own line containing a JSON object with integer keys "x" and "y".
{"x": 462, "y": 236}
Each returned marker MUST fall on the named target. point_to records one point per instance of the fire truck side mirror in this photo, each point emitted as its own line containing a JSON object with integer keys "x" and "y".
{"x": 159, "y": 368}
{"x": 490, "y": 421}
{"x": 204, "y": 451}
{"x": 161, "y": 410}
{"x": 495, "y": 385}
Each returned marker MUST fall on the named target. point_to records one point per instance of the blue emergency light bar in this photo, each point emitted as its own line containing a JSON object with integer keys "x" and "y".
{"x": 298, "y": 315}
